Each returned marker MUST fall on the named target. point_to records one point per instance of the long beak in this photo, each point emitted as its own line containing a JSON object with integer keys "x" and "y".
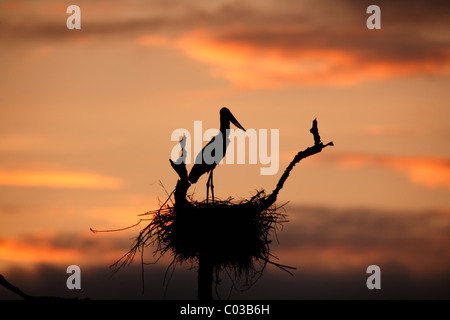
{"x": 235, "y": 122}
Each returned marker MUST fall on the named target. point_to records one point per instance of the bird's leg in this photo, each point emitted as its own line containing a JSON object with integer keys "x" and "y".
{"x": 207, "y": 187}
{"x": 212, "y": 186}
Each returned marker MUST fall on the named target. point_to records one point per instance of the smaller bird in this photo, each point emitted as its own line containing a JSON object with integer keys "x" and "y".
{"x": 220, "y": 140}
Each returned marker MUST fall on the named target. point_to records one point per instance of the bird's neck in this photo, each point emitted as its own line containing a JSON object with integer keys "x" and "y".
{"x": 224, "y": 125}
{"x": 225, "y": 128}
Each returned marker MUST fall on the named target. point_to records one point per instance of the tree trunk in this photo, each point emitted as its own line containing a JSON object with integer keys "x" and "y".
{"x": 205, "y": 277}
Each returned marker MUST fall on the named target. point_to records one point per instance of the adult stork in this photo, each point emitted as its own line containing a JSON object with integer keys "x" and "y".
{"x": 207, "y": 159}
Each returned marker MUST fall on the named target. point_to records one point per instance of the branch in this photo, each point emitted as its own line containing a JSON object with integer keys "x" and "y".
{"x": 179, "y": 166}
{"x": 316, "y": 148}
{"x": 9, "y": 286}
{"x": 14, "y": 289}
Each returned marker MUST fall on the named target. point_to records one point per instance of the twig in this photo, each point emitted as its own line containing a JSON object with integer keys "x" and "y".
{"x": 120, "y": 229}
{"x": 25, "y": 296}
{"x": 318, "y": 146}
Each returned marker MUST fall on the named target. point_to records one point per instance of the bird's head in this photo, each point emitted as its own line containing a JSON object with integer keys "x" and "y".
{"x": 226, "y": 115}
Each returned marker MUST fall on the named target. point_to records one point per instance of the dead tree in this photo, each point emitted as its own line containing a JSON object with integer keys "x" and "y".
{"x": 220, "y": 236}
{"x": 222, "y": 212}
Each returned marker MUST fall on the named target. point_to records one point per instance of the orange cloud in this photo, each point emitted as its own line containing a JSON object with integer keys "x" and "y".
{"x": 39, "y": 252}
{"x": 62, "y": 249}
{"x": 431, "y": 172}
{"x": 58, "y": 179}
{"x": 275, "y": 57}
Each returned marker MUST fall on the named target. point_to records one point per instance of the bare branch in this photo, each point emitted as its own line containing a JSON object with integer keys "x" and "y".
{"x": 318, "y": 146}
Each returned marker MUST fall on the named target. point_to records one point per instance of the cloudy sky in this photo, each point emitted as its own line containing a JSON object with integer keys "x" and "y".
{"x": 87, "y": 117}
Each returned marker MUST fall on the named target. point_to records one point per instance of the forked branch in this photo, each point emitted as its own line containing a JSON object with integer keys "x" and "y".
{"x": 316, "y": 148}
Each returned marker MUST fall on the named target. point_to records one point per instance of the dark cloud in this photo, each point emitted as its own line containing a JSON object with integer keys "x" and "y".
{"x": 394, "y": 233}
{"x": 330, "y": 248}
{"x": 414, "y": 14}
{"x": 149, "y": 17}
{"x": 393, "y": 46}
{"x": 72, "y": 241}
{"x": 32, "y": 22}
{"x": 100, "y": 284}
{"x": 414, "y": 37}
{"x": 357, "y": 227}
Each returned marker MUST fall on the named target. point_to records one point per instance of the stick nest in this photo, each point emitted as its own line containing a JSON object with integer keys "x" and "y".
{"x": 233, "y": 236}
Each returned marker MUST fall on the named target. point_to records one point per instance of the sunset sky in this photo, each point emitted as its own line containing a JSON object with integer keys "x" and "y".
{"x": 87, "y": 117}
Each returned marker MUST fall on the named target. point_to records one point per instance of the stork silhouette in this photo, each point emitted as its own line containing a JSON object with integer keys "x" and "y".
{"x": 207, "y": 159}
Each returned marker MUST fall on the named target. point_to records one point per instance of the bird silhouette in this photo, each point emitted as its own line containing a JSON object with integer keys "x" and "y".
{"x": 207, "y": 159}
